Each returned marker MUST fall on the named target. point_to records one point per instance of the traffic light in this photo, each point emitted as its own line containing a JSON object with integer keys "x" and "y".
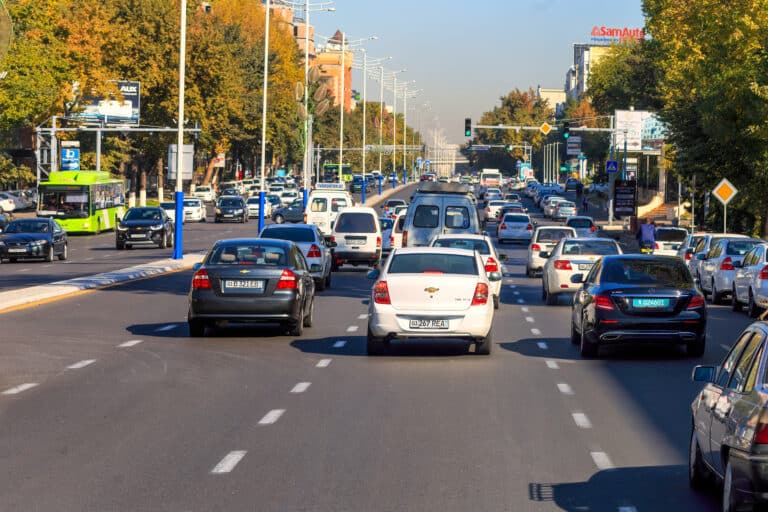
{"x": 467, "y": 127}
{"x": 566, "y": 130}
{"x": 507, "y": 147}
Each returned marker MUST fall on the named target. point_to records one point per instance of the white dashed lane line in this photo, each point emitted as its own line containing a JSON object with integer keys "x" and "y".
{"x": 229, "y": 462}
{"x": 363, "y": 316}
{"x": 301, "y": 387}
{"x": 18, "y": 389}
{"x": 81, "y": 364}
{"x": 271, "y": 417}
{"x": 130, "y": 343}
{"x": 627, "y": 508}
{"x": 352, "y": 328}
{"x": 535, "y": 332}
{"x": 565, "y": 388}
{"x": 530, "y": 319}
{"x": 339, "y": 344}
{"x": 323, "y": 363}
{"x": 525, "y": 309}
{"x": 520, "y": 301}
{"x": 542, "y": 345}
{"x": 553, "y": 365}
{"x": 515, "y": 292}
{"x": 601, "y": 460}
{"x": 581, "y": 420}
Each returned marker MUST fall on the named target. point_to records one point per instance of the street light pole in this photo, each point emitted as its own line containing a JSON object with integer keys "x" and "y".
{"x": 394, "y": 128}
{"x": 262, "y": 195}
{"x": 365, "y": 88}
{"x": 341, "y": 105}
{"x": 179, "y": 196}
{"x": 381, "y": 120}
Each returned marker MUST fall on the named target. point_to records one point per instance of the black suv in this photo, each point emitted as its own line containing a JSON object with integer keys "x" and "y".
{"x": 231, "y": 209}
{"x": 144, "y": 225}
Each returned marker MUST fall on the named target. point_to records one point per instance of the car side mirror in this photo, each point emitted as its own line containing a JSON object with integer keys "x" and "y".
{"x": 494, "y": 276}
{"x": 373, "y": 274}
{"x": 315, "y": 267}
{"x": 544, "y": 254}
{"x": 196, "y": 267}
{"x": 577, "y": 278}
{"x": 702, "y": 373}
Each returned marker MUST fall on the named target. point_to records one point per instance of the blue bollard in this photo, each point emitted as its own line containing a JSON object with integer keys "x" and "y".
{"x": 178, "y": 234}
{"x": 381, "y": 179}
{"x": 262, "y": 203}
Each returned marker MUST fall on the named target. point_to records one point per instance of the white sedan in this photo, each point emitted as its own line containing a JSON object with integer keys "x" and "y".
{"x": 253, "y": 207}
{"x": 194, "y": 210}
{"x": 431, "y": 292}
{"x": 569, "y": 257}
{"x": 515, "y": 226}
{"x": 482, "y": 244}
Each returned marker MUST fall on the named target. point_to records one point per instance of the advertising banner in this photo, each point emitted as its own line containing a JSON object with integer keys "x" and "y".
{"x": 124, "y": 108}
{"x": 625, "y": 198}
{"x": 70, "y": 159}
{"x": 629, "y": 126}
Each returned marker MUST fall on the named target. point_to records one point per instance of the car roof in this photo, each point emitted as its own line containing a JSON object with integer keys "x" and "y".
{"x": 360, "y": 209}
{"x": 432, "y": 250}
{"x": 458, "y": 236}
{"x": 277, "y": 242}
{"x": 543, "y": 228}
{"x": 290, "y": 226}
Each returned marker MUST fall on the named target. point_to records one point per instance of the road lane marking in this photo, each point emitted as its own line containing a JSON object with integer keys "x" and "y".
{"x": 271, "y": 417}
{"x": 352, "y": 328}
{"x": 165, "y": 328}
{"x": 339, "y": 344}
{"x": 301, "y": 387}
{"x": 512, "y": 286}
{"x": 24, "y": 270}
{"x": 363, "y": 316}
{"x": 229, "y": 462}
{"x": 46, "y": 266}
{"x": 515, "y": 293}
{"x": 130, "y": 343}
{"x": 542, "y": 345}
{"x": 525, "y": 309}
{"x": 88, "y": 259}
{"x": 529, "y": 319}
{"x": 601, "y": 460}
{"x": 18, "y": 389}
{"x": 323, "y": 363}
{"x": 565, "y": 388}
{"x": 553, "y": 365}
{"x": 535, "y": 332}
{"x": 107, "y": 256}
{"x": 627, "y": 508}
{"x": 81, "y": 364}
{"x": 581, "y": 420}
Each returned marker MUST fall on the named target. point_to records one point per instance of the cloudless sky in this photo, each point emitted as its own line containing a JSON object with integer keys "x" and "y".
{"x": 466, "y": 55}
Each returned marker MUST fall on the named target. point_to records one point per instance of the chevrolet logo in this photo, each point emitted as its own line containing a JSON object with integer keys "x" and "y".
{"x": 245, "y": 271}
{"x": 431, "y": 289}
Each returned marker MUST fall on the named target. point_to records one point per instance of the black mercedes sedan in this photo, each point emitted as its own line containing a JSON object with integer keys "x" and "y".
{"x": 638, "y": 298}
{"x": 231, "y": 209}
{"x": 33, "y": 238}
{"x": 144, "y": 225}
{"x": 252, "y": 280}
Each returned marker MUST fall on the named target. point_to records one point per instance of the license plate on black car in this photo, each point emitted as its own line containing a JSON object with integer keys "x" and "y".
{"x": 650, "y": 303}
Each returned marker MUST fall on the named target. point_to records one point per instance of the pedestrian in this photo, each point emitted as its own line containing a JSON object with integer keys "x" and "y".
{"x": 585, "y": 204}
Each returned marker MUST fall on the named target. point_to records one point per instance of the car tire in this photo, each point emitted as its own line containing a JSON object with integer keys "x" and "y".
{"x": 327, "y": 283}
{"x": 196, "y": 328}
{"x": 484, "y": 347}
{"x": 587, "y": 348}
{"x": 575, "y": 336}
{"x": 697, "y": 348}
{"x": 216, "y": 220}
{"x": 164, "y": 241}
{"x": 12, "y": 260}
{"x": 528, "y": 272}
{"x": 63, "y": 255}
{"x": 698, "y": 473}
{"x": 119, "y": 246}
{"x": 735, "y": 304}
{"x": 320, "y": 285}
{"x": 128, "y": 246}
{"x": 203, "y": 219}
{"x": 279, "y": 219}
{"x": 49, "y": 254}
{"x": 374, "y": 345}
{"x": 752, "y": 309}
{"x": 297, "y": 328}
{"x": 309, "y": 318}
{"x": 495, "y": 302}
{"x": 549, "y": 298}
{"x": 716, "y": 297}
{"x": 731, "y": 499}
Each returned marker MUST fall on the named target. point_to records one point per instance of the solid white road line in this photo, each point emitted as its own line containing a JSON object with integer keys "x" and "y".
{"x": 271, "y": 417}
{"x": 581, "y": 420}
{"x": 352, "y": 328}
{"x": 300, "y": 387}
{"x": 18, "y": 389}
{"x": 601, "y": 460}
{"x": 81, "y": 364}
{"x": 229, "y": 462}
{"x": 363, "y": 316}
{"x": 565, "y": 388}
{"x": 535, "y": 332}
{"x": 130, "y": 343}
{"x": 323, "y": 363}
{"x": 542, "y": 345}
{"x": 529, "y": 319}
{"x": 339, "y": 344}
{"x": 553, "y": 365}
{"x": 165, "y": 328}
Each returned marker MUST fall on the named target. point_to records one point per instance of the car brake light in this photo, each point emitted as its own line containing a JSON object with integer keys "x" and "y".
{"x": 481, "y": 295}
{"x": 687, "y": 256}
{"x": 491, "y": 265}
{"x": 287, "y": 281}
{"x": 378, "y": 242}
{"x": 529, "y": 227}
{"x": 392, "y": 241}
{"x": 697, "y": 301}
{"x": 536, "y": 247}
{"x": 592, "y": 228}
{"x": 404, "y": 241}
{"x": 763, "y": 273}
{"x": 761, "y": 432}
{"x": 503, "y": 226}
{"x": 604, "y": 302}
{"x": 305, "y": 218}
{"x": 727, "y": 264}
{"x": 381, "y": 293}
{"x": 563, "y": 265}
{"x": 200, "y": 280}
{"x": 656, "y": 245}
{"x": 314, "y": 252}
{"x": 332, "y": 239}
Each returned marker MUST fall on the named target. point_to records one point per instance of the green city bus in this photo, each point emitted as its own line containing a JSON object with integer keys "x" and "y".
{"x": 82, "y": 201}
{"x": 333, "y": 170}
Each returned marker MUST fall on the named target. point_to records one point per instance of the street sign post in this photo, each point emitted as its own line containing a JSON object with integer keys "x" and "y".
{"x": 625, "y": 198}
{"x": 724, "y": 192}
{"x": 573, "y": 147}
{"x": 611, "y": 166}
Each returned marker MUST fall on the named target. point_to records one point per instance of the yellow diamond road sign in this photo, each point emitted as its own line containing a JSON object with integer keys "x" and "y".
{"x": 724, "y": 191}
{"x": 545, "y": 128}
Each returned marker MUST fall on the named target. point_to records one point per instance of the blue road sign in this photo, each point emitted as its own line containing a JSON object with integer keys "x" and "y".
{"x": 611, "y": 166}
{"x": 70, "y": 159}
{"x": 418, "y": 161}
{"x": 427, "y": 163}
{"x": 479, "y": 147}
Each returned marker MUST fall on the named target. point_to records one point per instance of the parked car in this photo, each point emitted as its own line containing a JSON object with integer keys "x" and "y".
{"x": 718, "y": 266}
{"x": 252, "y": 280}
{"x": 144, "y": 225}
{"x": 36, "y": 237}
{"x": 230, "y": 209}
{"x": 427, "y": 293}
{"x": 750, "y": 284}
{"x": 729, "y": 427}
{"x": 293, "y": 212}
{"x": 313, "y": 245}
{"x": 640, "y": 299}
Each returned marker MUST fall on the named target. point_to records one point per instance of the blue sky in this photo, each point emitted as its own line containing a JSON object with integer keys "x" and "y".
{"x": 465, "y": 55}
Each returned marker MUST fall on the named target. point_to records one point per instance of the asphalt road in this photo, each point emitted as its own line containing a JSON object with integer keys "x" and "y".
{"x": 129, "y": 414}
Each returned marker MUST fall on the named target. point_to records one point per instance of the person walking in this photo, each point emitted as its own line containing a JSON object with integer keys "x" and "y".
{"x": 584, "y": 204}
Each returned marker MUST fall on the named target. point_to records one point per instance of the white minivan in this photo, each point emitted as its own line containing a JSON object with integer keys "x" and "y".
{"x": 357, "y": 234}
{"x": 324, "y": 205}
{"x": 439, "y": 209}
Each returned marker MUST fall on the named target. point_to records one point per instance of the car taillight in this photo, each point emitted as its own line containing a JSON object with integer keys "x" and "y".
{"x": 378, "y": 242}
{"x": 656, "y": 245}
{"x": 314, "y": 252}
{"x": 529, "y": 227}
{"x": 697, "y": 301}
{"x": 491, "y": 265}
{"x": 480, "y": 297}
{"x": 592, "y": 228}
{"x": 503, "y": 226}
{"x": 761, "y": 432}
{"x": 727, "y": 264}
{"x": 287, "y": 281}
{"x": 536, "y": 247}
{"x": 332, "y": 239}
{"x": 763, "y": 273}
{"x": 381, "y": 293}
{"x": 404, "y": 241}
{"x": 687, "y": 256}
{"x": 563, "y": 265}
{"x": 604, "y": 302}
{"x": 392, "y": 241}
{"x": 200, "y": 280}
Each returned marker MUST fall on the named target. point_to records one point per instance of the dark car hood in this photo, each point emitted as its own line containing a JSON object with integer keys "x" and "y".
{"x": 25, "y": 237}
{"x": 140, "y": 223}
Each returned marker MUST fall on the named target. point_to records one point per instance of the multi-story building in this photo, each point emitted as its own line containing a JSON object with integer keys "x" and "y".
{"x": 329, "y": 60}
{"x": 555, "y": 98}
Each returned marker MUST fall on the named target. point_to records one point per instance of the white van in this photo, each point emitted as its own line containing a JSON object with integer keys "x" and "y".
{"x": 324, "y": 204}
{"x": 438, "y": 209}
{"x": 357, "y": 234}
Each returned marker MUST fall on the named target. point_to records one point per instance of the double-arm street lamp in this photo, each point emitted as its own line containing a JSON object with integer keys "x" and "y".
{"x": 383, "y": 77}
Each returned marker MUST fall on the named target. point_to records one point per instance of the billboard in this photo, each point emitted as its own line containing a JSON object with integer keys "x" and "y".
{"x": 116, "y": 109}
{"x": 70, "y": 159}
{"x": 629, "y": 126}
{"x": 625, "y": 198}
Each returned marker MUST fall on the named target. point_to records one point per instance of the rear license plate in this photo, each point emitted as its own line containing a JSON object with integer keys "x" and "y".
{"x": 585, "y": 266}
{"x": 650, "y": 303}
{"x": 243, "y": 284}
{"x": 429, "y": 324}
{"x": 355, "y": 240}
{"x": 138, "y": 235}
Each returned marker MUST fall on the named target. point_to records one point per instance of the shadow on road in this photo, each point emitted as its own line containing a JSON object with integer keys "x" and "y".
{"x": 561, "y": 348}
{"x": 355, "y": 346}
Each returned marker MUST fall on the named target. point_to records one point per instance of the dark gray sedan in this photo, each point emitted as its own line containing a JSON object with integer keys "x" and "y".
{"x": 33, "y": 238}
{"x": 252, "y": 280}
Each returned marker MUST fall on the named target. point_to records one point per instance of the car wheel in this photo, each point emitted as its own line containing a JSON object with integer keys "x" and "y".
{"x": 483, "y": 348}
{"x": 731, "y": 499}
{"x": 735, "y": 304}
{"x": 164, "y": 241}
{"x": 495, "y": 302}
{"x": 279, "y": 219}
{"x": 119, "y": 246}
{"x": 196, "y": 328}
{"x": 697, "y": 348}
{"x": 216, "y": 220}
{"x": 12, "y": 260}
{"x": 698, "y": 474}
{"x": 128, "y": 246}
{"x": 63, "y": 255}
{"x": 297, "y": 328}
{"x": 320, "y": 284}
{"x": 587, "y": 348}
{"x": 716, "y": 296}
{"x": 203, "y": 219}
{"x": 528, "y": 272}
{"x": 309, "y": 318}
{"x": 549, "y": 298}
{"x": 752, "y": 310}
{"x": 374, "y": 345}
{"x": 575, "y": 336}
{"x": 327, "y": 283}
{"x": 49, "y": 255}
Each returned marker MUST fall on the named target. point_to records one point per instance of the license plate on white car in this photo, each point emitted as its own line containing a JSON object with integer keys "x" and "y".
{"x": 431, "y": 323}
{"x": 585, "y": 266}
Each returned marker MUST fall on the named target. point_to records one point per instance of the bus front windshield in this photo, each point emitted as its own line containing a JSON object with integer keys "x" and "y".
{"x": 71, "y": 201}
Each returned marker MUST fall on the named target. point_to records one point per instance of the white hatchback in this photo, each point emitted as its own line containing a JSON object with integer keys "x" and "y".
{"x": 515, "y": 226}
{"x": 544, "y": 239}
{"x": 194, "y": 210}
{"x": 430, "y": 292}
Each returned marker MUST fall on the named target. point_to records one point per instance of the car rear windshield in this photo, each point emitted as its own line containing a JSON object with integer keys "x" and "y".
{"x": 355, "y": 222}
{"x": 643, "y": 272}
{"x": 496, "y": 202}
{"x": 671, "y": 235}
{"x": 553, "y": 235}
{"x": 432, "y": 264}
{"x": 740, "y": 248}
{"x": 230, "y": 203}
{"x": 480, "y": 246}
{"x": 593, "y": 247}
{"x": 566, "y": 204}
{"x": 253, "y": 200}
{"x": 516, "y": 218}
{"x": 579, "y": 223}
{"x": 168, "y": 206}
{"x": 292, "y": 234}
{"x": 247, "y": 254}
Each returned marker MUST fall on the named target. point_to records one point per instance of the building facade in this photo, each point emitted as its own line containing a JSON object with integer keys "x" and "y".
{"x": 329, "y": 60}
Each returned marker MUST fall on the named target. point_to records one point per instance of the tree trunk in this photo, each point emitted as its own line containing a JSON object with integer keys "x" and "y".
{"x": 160, "y": 179}
{"x": 134, "y": 184}
{"x": 143, "y": 189}
{"x": 209, "y": 172}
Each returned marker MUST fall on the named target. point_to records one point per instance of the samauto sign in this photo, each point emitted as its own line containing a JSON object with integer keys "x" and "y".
{"x": 603, "y": 34}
